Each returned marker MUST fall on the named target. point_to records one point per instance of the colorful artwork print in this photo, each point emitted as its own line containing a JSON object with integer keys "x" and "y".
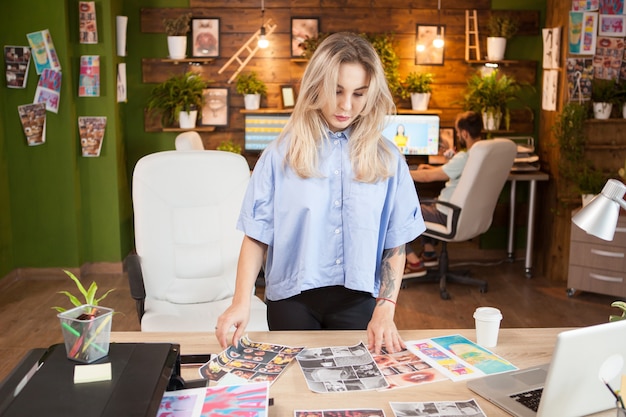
{"x": 404, "y": 369}
{"x": 474, "y": 354}
{"x": 182, "y": 403}
{"x": 249, "y": 400}
{"x": 585, "y": 5}
{"x": 607, "y": 61}
{"x": 44, "y": 53}
{"x": 357, "y": 412}
{"x": 16, "y": 64}
{"x": 611, "y": 6}
{"x": 33, "y": 119}
{"x": 89, "y": 78}
{"x": 251, "y": 361}
{"x": 579, "y": 76}
{"x": 49, "y": 89}
{"x": 91, "y": 134}
{"x": 88, "y": 29}
{"x": 612, "y": 25}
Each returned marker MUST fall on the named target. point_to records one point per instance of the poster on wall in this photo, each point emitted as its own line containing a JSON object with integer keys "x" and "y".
{"x": 611, "y": 6}
{"x": 88, "y": 28}
{"x": 549, "y": 90}
{"x": 89, "y": 78}
{"x": 121, "y": 83}
{"x": 49, "y": 89}
{"x": 33, "y": 119}
{"x": 91, "y": 134}
{"x": 16, "y": 64}
{"x": 585, "y": 5}
{"x": 551, "y": 47}
{"x": 579, "y": 72}
{"x": 44, "y": 53}
{"x": 607, "y": 61}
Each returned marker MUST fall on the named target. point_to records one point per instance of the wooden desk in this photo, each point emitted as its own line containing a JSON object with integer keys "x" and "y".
{"x": 523, "y": 347}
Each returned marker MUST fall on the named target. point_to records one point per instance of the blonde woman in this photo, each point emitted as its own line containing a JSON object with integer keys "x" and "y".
{"x": 329, "y": 207}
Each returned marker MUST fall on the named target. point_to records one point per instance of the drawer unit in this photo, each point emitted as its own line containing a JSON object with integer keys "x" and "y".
{"x": 596, "y": 265}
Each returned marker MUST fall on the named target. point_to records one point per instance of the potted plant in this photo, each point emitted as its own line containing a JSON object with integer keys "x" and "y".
{"x": 309, "y": 45}
{"x": 500, "y": 28}
{"x": 176, "y": 30}
{"x": 419, "y": 86}
{"x": 86, "y": 327}
{"x": 604, "y": 93}
{"x": 490, "y": 95}
{"x": 178, "y": 99}
{"x": 252, "y": 88}
{"x": 229, "y": 146}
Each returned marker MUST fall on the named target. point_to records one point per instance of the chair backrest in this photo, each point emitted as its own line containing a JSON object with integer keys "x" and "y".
{"x": 189, "y": 141}
{"x": 486, "y": 170}
{"x": 186, "y": 205}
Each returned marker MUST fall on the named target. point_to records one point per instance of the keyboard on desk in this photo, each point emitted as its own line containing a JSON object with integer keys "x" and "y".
{"x": 529, "y": 399}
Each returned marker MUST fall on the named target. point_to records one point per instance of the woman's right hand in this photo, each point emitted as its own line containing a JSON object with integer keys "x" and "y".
{"x": 237, "y": 316}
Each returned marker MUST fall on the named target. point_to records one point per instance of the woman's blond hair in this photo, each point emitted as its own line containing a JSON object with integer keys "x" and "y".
{"x": 370, "y": 152}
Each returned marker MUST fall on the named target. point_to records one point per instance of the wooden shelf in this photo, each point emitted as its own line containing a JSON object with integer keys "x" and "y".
{"x": 267, "y": 111}
{"x": 505, "y": 62}
{"x": 411, "y": 111}
{"x": 196, "y": 129}
{"x": 192, "y": 60}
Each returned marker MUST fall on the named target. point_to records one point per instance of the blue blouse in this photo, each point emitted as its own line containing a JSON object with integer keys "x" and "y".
{"x": 328, "y": 230}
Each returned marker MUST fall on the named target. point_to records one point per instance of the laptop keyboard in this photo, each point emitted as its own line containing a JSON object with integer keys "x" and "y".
{"x": 529, "y": 399}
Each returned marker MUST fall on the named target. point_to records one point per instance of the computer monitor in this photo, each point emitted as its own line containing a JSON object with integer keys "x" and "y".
{"x": 261, "y": 129}
{"x": 414, "y": 134}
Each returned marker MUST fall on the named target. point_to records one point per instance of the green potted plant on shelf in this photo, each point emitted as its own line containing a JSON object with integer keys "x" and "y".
{"x": 252, "y": 88}
{"x": 490, "y": 95}
{"x": 178, "y": 99}
{"x": 177, "y": 30}
{"x": 604, "y": 93}
{"x": 418, "y": 85}
{"x": 500, "y": 28}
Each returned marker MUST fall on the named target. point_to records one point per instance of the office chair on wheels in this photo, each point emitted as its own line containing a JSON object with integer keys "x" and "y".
{"x": 470, "y": 209}
{"x": 186, "y": 205}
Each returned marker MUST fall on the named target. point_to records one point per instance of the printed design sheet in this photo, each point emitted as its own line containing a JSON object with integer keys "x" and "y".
{"x": 49, "y": 89}
{"x": 340, "y": 369}
{"x": 16, "y": 64}
{"x": 405, "y": 369}
{"x": 355, "y": 412}
{"x": 251, "y": 361}
{"x": 459, "y": 358}
{"x": 437, "y": 409}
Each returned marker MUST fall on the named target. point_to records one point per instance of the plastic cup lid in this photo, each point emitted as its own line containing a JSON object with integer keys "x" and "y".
{"x": 487, "y": 313}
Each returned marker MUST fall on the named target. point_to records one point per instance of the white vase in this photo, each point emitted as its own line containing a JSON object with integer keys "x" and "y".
{"x": 187, "y": 120}
{"x": 419, "y": 101}
{"x": 492, "y": 120}
{"x": 252, "y": 101}
{"x": 177, "y": 46}
{"x": 495, "y": 48}
{"x": 602, "y": 110}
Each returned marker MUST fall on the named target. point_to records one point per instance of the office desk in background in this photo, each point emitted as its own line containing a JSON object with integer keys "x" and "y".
{"x": 522, "y": 347}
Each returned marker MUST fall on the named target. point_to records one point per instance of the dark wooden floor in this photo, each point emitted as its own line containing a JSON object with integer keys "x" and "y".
{"x": 27, "y": 320}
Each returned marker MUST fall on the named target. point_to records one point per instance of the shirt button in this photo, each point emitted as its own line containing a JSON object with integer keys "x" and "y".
{"x": 338, "y": 261}
{"x": 336, "y": 142}
{"x": 336, "y": 203}
{"x": 336, "y": 172}
{"x": 337, "y": 231}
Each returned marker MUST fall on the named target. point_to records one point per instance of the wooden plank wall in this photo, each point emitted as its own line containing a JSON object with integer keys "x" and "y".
{"x": 240, "y": 19}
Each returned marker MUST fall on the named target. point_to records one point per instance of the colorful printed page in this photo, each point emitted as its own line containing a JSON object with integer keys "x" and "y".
{"x": 88, "y": 29}
{"x": 44, "y": 53}
{"x": 89, "y": 79}
{"x": 250, "y": 361}
{"x": 182, "y": 403}
{"x": 250, "y": 400}
{"x": 49, "y": 89}
{"x": 437, "y": 409}
{"x": 33, "y": 118}
{"x": 353, "y": 412}
{"x": 459, "y": 358}
{"x": 16, "y": 64}
{"x": 91, "y": 131}
{"x": 405, "y": 369}
{"x": 340, "y": 369}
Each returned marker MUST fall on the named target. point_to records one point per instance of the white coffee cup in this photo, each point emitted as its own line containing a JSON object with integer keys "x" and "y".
{"x": 487, "y": 325}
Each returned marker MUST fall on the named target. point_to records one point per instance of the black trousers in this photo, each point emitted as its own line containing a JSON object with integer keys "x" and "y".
{"x": 331, "y": 308}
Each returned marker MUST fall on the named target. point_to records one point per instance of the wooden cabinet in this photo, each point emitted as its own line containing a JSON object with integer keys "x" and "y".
{"x": 596, "y": 265}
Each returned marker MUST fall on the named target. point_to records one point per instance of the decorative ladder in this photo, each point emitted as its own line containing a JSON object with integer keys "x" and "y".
{"x": 269, "y": 28}
{"x": 472, "y": 41}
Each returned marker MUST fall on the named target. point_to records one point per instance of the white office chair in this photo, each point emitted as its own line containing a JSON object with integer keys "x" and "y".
{"x": 470, "y": 209}
{"x": 189, "y": 141}
{"x": 186, "y": 205}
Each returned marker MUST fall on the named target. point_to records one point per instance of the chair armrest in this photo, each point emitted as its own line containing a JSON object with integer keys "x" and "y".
{"x": 132, "y": 265}
{"x": 456, "y": 212}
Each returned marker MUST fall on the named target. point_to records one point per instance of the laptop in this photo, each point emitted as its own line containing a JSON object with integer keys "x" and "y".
{"x": 571, "y": 384}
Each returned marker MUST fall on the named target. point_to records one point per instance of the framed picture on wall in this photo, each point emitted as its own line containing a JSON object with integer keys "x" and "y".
{"x": 612, "y": 25}
{"x": 302, "y": 28}
{"x": 215, "y": 107}
{"x": 426, "y": 53}
{"x": 287, "y": 96}
{"x": 205, "y": 37}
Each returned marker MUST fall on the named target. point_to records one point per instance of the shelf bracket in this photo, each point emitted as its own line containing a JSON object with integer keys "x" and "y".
{"x": 250, "y": 47}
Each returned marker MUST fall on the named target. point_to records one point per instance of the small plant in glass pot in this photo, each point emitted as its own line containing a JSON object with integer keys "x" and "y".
{"x": 86, "y": 327}
{"x": 500, "y": 28}
{"x": 178, "y": 99}
{"x": 418, "y": 85}
{"x": 252, "y": 88}
{"x": 177, "y": 30}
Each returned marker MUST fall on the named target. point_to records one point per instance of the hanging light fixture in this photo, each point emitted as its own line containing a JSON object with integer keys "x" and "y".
{"x": 438, "y": 42}
{"x": 263, "y": 42}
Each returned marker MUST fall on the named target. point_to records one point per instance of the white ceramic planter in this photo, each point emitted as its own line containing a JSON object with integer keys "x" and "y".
{"x": 177, "y": 46}
{"x": 419, "y": 101}
{"x": 624, "y": 110}
{"x": 252, "y": 101}
{"x": 496, "y": 48}
{"x": 491, "y": 120}
{"x": 187, "y": 120}
{"x": 602, "y": 110}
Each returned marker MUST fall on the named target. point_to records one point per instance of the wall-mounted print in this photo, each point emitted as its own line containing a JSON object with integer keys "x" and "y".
{"x": 612, "y": 25}
{"x": 215, "y": 107}
{"x": 205, "y": 37}
{"x": 426, "y": 53}
{"x": 287, "y": 96}
{"x": 302, "y": 28}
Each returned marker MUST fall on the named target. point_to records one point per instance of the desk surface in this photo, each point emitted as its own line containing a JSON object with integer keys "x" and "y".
{"x": 523, "y": 347}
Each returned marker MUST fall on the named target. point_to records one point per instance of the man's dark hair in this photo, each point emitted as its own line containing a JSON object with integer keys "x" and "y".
{"x": 470, "y": 121}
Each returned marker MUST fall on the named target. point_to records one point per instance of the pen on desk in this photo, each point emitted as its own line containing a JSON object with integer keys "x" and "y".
{"x": 70, "y": 329}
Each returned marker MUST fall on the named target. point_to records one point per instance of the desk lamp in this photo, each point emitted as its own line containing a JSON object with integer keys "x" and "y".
{"x": 599, "y": 217}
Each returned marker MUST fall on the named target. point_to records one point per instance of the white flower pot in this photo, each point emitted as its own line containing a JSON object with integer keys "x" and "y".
{"x": 252, "y": 101}
{"x": 492, "y": 120}
{"x": 602, "y": 110}
{"x": 177, "y": 46}
{"x": 496, "y": 48}
{"x": 419, "y": 101}
{"x": 187, "y": 120}
{"x": 624, "y": 110}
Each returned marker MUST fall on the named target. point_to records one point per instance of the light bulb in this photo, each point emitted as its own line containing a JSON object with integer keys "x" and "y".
{"x": 438, "y": 42}
{"x": 263, "y": 42}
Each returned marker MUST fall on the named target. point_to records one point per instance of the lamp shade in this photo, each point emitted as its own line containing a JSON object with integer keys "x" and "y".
{"x": 599, "y": 217}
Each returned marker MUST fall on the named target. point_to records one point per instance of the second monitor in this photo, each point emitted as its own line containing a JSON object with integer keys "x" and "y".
{"x": 414, "y": 134}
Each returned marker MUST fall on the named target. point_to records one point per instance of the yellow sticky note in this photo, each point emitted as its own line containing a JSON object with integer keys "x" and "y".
{"x": 92, "y": 373}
